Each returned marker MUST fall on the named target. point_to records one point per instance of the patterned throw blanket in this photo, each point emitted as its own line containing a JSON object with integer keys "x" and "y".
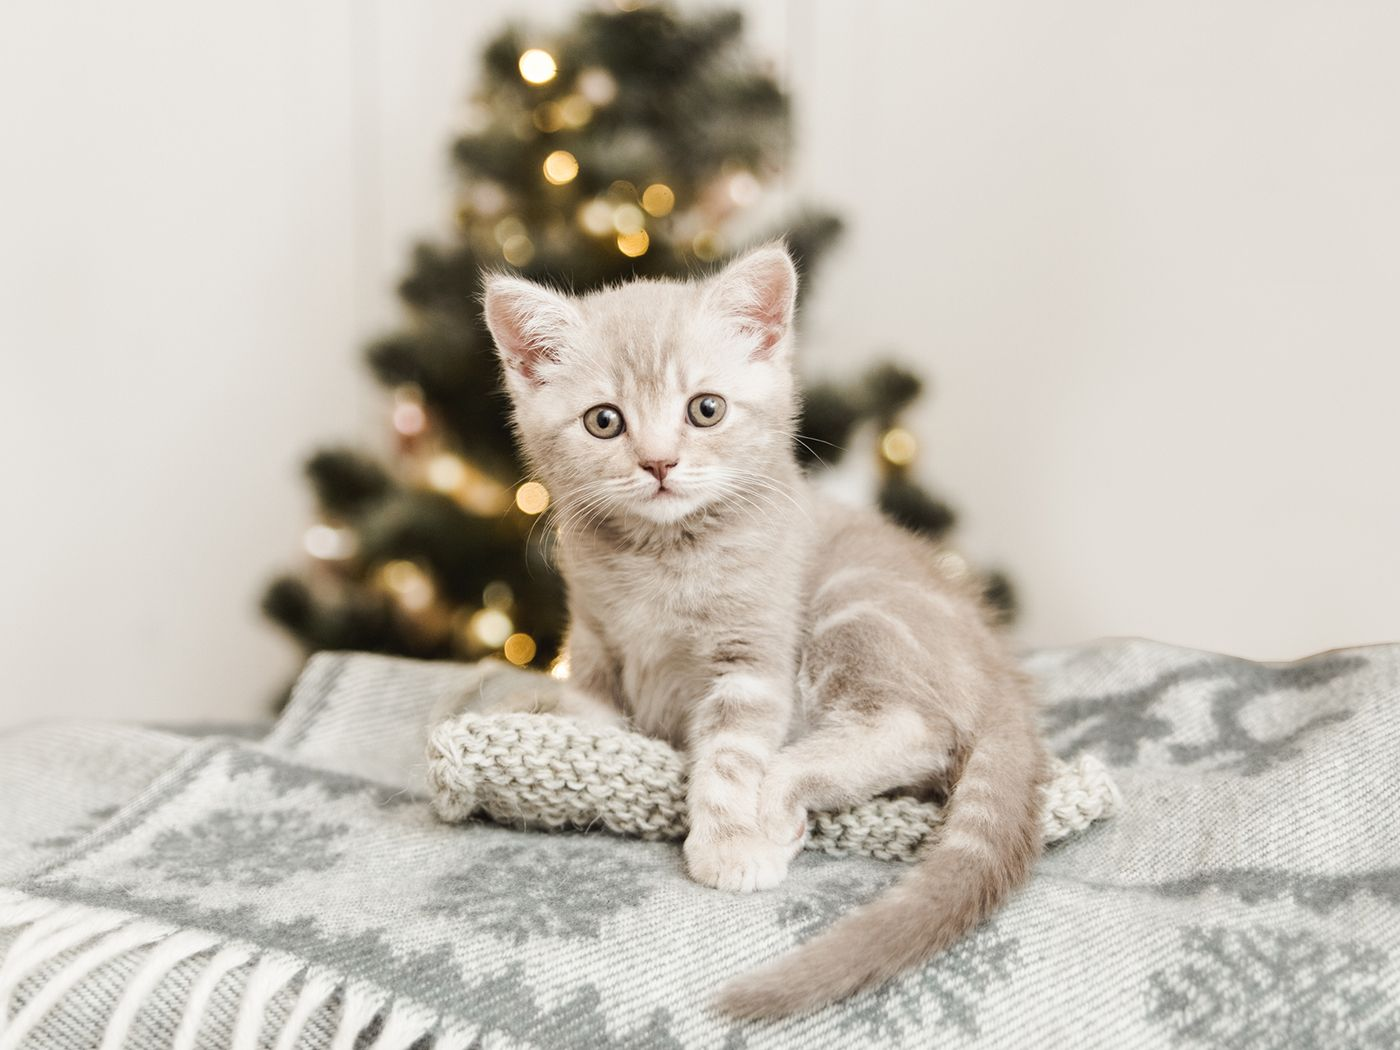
{"x": 162, "y": 890}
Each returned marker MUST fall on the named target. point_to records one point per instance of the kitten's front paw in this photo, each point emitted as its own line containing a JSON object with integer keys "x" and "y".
{"x": 739, "y": 860}
{"x": 779, "y": 817}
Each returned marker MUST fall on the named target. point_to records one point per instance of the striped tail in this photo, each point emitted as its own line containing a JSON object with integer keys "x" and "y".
{"x": 991, "y": 839}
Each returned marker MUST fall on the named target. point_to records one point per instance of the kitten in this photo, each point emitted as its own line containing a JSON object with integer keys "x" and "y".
{"x": 805, "y": 655}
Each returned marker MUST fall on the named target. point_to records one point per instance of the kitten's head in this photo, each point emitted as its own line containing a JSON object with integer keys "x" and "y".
{"x": 655, "y": 399}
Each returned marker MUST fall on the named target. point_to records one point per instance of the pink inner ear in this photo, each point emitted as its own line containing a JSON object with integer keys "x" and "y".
{"x": 528, "y": 353}
{"x": 525, "y": 322}
{"x": 760, "y": 292}
{"x": 767, "y": 325}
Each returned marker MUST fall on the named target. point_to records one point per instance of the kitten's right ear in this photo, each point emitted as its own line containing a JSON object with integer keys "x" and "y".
{"x": 530, "y": 324}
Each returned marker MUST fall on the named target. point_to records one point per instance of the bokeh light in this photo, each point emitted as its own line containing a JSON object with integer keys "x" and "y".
{"x": 518, "y": 250}
{"x": 596, "y": 217}
{"x": 658, "y": 199}
{"x": 898, "y": 446}
{"x": 330, "y": 542}
{"x": 532, "y": 497}
{"x": 490, "y": 627}
{"x": 520, "y": 649}
{"x": 633, "y": 244}
{"x": 538, "y": 66}
{"x": 560, "y": 167}
{"x": 497, "y": 595}
{"x": 409, "y": 584}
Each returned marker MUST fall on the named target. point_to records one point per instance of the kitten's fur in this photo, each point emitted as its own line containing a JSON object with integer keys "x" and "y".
{"x": 805, "y": 655}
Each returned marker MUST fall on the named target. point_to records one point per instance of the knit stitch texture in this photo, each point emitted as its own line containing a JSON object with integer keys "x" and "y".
{"x": 544, "y": 771}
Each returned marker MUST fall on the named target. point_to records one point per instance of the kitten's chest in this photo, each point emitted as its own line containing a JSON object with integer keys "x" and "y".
{"x": 656, "y": 614}
{"x": 655, "y": 622}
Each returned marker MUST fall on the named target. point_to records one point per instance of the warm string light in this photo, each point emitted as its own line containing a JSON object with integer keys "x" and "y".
{"x": 628, "y": 219}
{"x": 409, "y": 417}
{"x": 560, "y": 167}
{"x": 707, "y": 245}
{"x": 898, "y": 447}
{"x": 410, "y": 585}
{"x": 744, "y": 188}
{"x": 497, "y": 595}
{"x": 597, "y": 85}
{"x": 532, "y": 497}
{"x": 538, "y": 66}
{"x": 331, "y": 542}
{"x": 519, "y": 649}
{"x": 472, "y": 488}
{"x": 575, "y": 111}
{"x": 596, "y": 217}
{"x": 490, "y": 627}
{"x": 633, "y": 244}
{"x": 658, "y": 199}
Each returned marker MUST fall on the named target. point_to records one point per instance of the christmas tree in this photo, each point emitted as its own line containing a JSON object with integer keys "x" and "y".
{"x": 636, "y": 143}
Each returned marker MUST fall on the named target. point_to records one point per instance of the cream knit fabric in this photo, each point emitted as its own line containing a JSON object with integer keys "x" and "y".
{"x": 550, "y": 772}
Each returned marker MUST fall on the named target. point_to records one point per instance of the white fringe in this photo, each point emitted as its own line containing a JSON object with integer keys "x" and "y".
{"x": 47, "y": 930}
{"x": 19, "y": 910}
{"x": 316, "y": 988}
{"x": 361, "y": 1004}
{"x": 224, "y": 960}
{"x": 131, "y": 935}
{"x": 47, "y": 939}
{"x": 163, "y": 958}
{"x": 404, "y": 1025}
{"x": 269, "y": 977}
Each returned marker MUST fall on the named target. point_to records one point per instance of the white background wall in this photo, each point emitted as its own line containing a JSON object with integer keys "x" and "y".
{"x": 1149, "y": 254}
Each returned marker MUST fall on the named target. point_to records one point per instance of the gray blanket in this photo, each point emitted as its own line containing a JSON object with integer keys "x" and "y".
{"x": 158, "y": 890}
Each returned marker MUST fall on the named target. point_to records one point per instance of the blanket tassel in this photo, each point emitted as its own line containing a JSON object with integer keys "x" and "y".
{"x": 67, "y": 942}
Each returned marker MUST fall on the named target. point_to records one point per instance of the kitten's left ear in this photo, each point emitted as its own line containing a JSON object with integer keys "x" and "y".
{"x": 758, "y": 291}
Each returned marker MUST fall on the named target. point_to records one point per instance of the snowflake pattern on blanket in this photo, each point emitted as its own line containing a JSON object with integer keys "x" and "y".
{"x": 1244, "y": 895}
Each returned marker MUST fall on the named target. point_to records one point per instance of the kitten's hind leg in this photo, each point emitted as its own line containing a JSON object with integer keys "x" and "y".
{"x": 841, "y": 764}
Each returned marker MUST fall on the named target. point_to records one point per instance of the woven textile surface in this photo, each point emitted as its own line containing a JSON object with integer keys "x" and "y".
{"x": 160, "y": 890}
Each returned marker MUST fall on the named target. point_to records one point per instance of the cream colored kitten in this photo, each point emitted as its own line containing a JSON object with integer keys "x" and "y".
{"x": 804, "y": 655}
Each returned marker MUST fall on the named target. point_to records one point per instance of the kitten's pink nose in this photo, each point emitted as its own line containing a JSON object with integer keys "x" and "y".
{"x": 658, "y": 468}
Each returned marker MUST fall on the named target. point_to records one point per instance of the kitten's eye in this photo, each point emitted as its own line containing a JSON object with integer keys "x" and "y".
{"x": 705, "y": 410}
{"x": 604, "y": 421}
